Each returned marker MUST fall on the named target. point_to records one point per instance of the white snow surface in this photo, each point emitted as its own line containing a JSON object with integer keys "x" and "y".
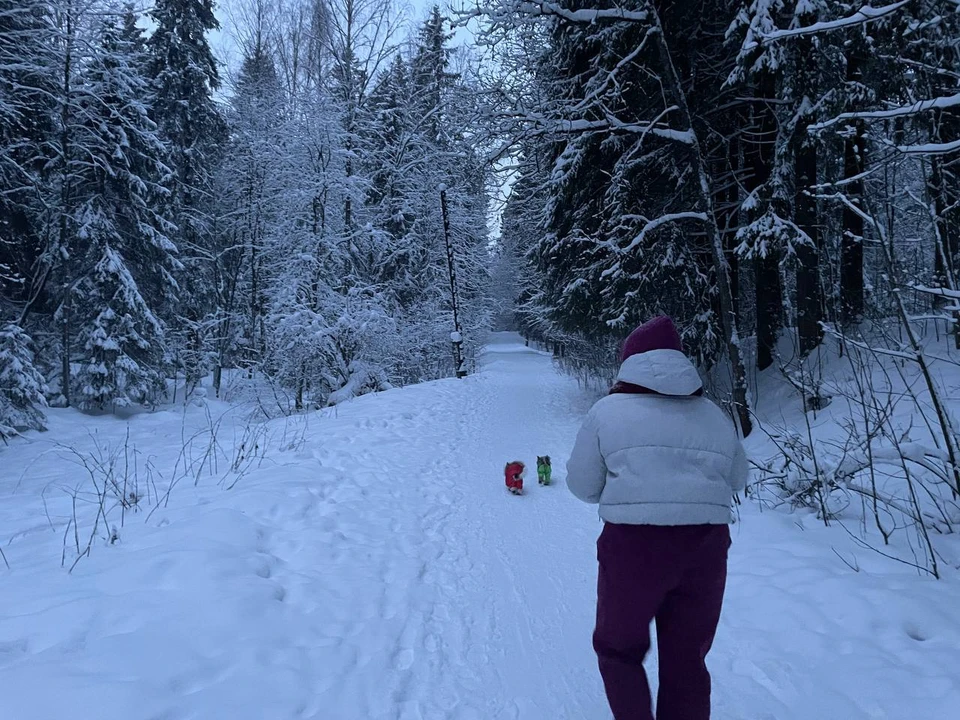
{"x": 372, "y": 565}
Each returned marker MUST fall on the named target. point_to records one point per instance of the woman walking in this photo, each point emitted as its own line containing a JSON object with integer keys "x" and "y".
{"x": 663, "y": 463}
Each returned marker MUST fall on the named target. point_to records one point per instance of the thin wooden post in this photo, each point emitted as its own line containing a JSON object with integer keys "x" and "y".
{"x": 456, "y": 337}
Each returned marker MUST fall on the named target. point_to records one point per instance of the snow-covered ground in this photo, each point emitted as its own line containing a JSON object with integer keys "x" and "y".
{"x": 368, "y": 563}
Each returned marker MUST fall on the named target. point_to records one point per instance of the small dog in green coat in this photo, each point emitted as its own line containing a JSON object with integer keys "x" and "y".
{"x": 543, "y": 469}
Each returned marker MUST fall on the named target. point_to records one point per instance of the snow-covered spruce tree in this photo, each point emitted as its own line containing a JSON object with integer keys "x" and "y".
{"x": 22, "y": 387}
{"x": 403, "y": 249}
{"x": 805, "y": 91}
{"x": 836, "y": 106}
{"x": 119, "y": 360}
{"x": 135, "y": 172}
{"x": 870, "y": 72}
{"x": 431, "y": 76}
{"x": 27, "y": 124}
{"x": 898, "y": 107}
{"x": 609, "y": 268}
{"x": 764, "y": 232}
{"x": 632, "y": 213}
{"x": 104, "y": 171}
{"x": 359, "y": 41}
{"x": 395, "y": 162}
{"x": 121, "y": 243}
{"x": 43, "y": 47}
{"x": 183, "y": 75}
{"x": 930, "y": 107}
{"x": 521, "y": 227}
{"x": 787, "y": 223}
{"x": 855, "y": 94}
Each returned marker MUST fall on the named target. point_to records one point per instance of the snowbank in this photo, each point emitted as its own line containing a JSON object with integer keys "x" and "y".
{"x": 368, "y": 563}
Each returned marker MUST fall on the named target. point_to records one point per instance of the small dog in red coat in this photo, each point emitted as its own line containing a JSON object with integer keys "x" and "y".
{"x": 513, "y": 474}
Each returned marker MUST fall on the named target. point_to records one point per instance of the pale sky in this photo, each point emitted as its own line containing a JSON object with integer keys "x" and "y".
{"x": 227, "y": 52}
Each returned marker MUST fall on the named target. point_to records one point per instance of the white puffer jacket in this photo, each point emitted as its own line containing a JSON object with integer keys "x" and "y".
{"x": 666, "y": 459}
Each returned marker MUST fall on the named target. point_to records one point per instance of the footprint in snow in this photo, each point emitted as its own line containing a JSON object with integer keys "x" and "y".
{"x": 405, "y": 659}
{"x": 915, "y": 633}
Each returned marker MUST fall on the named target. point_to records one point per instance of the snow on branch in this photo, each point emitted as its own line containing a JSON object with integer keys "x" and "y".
{"x": 930, "y": 148}
{"x": 770, "y": 230}
{"x": 541, "y": 8}
{"x": 542, "y": 125}
{"x": 586, "y": 15}
{"x": 611, "y": 75}
{"x": 651, "y": 225}
{"x": 613, "y": 123}
{"x": 864, "y": 15}
{"x": 916, "y": 108}
{"x": 887, "y": 352}
{"x": 936, "y": 291}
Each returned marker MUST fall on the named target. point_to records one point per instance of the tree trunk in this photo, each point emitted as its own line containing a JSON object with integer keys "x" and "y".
{"x": 851, "y": 242}
{"x": 809, "y": 292}
{"x": 65, "y": 362}
{"x": 348, "y": 202}
{"x": 769, "y": 307}
{"x": 728, "y": 212}
{"x": 66, "y": 199}
{"x": 767, "y": 277}
{"x": 721, "y": 266}
{"x": 301, "y": 382}
{"x": 946, "y": 256}
{"x": 217, "y": 377}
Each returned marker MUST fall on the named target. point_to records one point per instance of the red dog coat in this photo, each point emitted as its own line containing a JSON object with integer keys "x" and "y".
{"x": 513, "y": 474}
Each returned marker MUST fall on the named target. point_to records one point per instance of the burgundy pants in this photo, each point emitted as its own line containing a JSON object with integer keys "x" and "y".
{"x": 676, "y": 577}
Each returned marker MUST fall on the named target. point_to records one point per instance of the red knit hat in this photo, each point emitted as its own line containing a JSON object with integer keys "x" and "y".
{"x": 657, "y": 334}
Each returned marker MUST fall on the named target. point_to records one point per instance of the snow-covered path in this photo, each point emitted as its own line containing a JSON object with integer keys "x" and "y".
{"x": 379, "y": 569}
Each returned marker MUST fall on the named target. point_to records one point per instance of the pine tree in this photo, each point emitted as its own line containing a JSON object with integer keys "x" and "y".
{"x": 430, "y": 75}
{"x": 395, "y": 163}
{"x": 121, "y": 232}
{"x": 135, "y": 173}
{"x": 518, "y": 272}
{"x": 610, "y": 263}
{"x": 765, "y": 232}
{"x": 27, "y": 124}
{"x": 121, "y": 350}
{"x": 787, "y": 222}
{"x": 634, "y": 218}
{"x": 183, "y": 75}
{"x": 22, "y": 386}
